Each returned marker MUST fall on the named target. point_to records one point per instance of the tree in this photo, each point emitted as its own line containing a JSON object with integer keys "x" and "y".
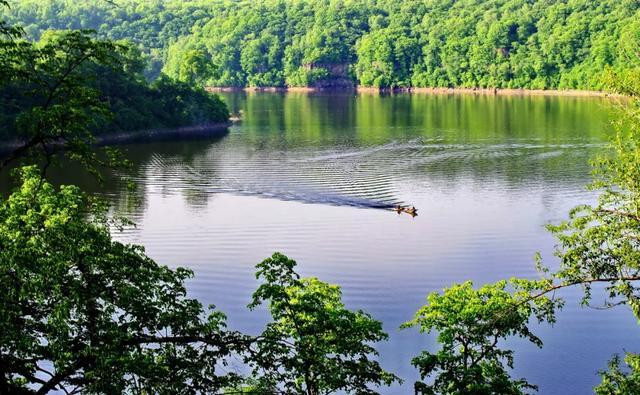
{"x": 47, "y": 100}
{"x": 601, "y": 243}
{"x": 57, "y": 94}
{"x": 386, "y": 58}
{"x": 260, "y": 59}
{"x": 7, "y": 30}
{"x": 83, "y": 313}
{"x": 470, "y": 324}
{"x": 80, "y": 312}
{"x": 196, "y": 67}
{"x": 619, "y": 382}
{"x": 598, "y": 244}
{"x": 314, "y": 344}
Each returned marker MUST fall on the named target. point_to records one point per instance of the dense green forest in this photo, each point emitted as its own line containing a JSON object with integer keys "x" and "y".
{"x": 539, "y": 44}
{"x": 151, "y": 25}
{"x": 106, "y": 77}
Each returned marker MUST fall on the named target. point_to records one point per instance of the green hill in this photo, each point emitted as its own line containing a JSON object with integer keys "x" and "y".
{"x": 539, "y": 44}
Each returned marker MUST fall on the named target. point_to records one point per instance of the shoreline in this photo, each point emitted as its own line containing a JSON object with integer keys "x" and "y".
{"x": 194, "y": 131}
{"x": 422, "y": 91}
{"x": 146, "y": 135}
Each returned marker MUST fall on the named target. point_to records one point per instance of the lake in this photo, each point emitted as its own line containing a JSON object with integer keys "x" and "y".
{"x": 313, "y": 176}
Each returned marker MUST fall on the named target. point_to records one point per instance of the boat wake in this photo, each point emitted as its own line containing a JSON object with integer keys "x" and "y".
{"x": 318, "y": 185}
{"x": 364, "y": 177}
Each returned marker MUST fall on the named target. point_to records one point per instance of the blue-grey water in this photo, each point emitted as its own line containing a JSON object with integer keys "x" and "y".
{"x": 311, "y": 176}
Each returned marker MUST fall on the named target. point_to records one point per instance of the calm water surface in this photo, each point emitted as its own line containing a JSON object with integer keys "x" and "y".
{"x": 311, "y": 176}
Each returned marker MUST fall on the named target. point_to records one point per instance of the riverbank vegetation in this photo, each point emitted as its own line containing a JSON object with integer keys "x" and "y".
{"x": 70, "y": 85}
{"x": 374, "y": 43}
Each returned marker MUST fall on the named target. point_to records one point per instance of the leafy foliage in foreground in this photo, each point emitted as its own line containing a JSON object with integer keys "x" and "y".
{"x": 43, "y": 97}
{"x": 598, "y": 244}
{"x": 618, "y": 381}
{"x": 470, "y": 324}
{"x": 601, "y": 243}
{"x": 83, "y": 312}
{"x": 314, "y": 344}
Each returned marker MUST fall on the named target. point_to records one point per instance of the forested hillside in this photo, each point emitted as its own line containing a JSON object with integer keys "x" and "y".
{"x": 539, "y": 44}
{"x": 151, "y": 24}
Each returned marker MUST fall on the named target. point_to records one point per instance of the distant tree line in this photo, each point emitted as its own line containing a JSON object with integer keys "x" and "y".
{"x": 539, "y": 44}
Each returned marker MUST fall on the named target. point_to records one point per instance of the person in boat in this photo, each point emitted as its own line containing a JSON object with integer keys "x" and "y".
{"x": 411, "y": 210}
{"x": 399, "y": 209}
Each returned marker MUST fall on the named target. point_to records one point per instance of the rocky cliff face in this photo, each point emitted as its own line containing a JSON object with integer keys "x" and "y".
{"x": 338, "y": 76}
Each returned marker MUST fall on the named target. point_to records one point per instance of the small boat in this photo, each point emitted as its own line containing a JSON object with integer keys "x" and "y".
{"x": 412, "y": 211}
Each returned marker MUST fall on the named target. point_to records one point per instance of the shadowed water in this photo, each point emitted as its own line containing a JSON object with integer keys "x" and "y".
{"x": 316, "y": 176}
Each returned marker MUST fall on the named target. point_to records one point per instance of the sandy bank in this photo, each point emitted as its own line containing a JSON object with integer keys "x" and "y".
{"x": 428, "y": 91}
